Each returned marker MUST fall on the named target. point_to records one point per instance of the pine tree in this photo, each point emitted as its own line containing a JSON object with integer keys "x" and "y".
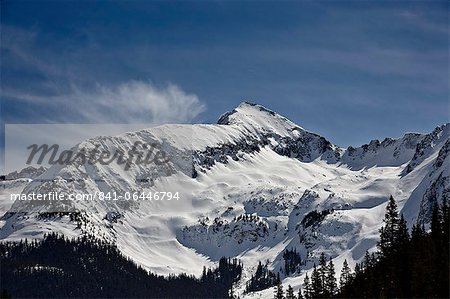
{"x": 401, "y": 256}
{"x": 436, "y": 222}
{"x": 445, "y": 247}
{"x": 290, "y": 293}
{"x": 346, "y": 274}
{"x": 367, "y": 262}
{"x": 445, "y": 222}
{"x": 358, "y": 269}
{"x": 389, "y": 230}
{"x": 278, "y": 292}
{"x": 300, "y": 295}
{"x": 388, "y": 246}
{"x": 307, "y": 288}
{"x": 323, "y": 274}
{"x": 419, "y": 261}
{"x": 203, "y": 278}
{"x": 406, "y": 266}
{"x": 330, "y": 280}
{"x": 402, "y": 237}
{"x": 316, "y": 283}
{"x": 436, "y": 242}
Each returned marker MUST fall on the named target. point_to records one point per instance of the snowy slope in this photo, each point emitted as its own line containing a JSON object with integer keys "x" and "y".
{"x": 248, "y": 187}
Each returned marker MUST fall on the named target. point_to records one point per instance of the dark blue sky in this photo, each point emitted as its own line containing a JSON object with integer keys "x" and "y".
{"x": 349, "y": 70}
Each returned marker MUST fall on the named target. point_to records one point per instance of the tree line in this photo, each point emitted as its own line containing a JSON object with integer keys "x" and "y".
{"x": 57, "y": 267}
{"x": 405, "y": 265}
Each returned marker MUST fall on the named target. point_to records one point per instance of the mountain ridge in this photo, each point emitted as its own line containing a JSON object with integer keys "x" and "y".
{"x": 253, "y": 185}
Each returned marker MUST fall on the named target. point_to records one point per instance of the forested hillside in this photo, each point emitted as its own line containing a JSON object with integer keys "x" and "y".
{"x": 59, "y": 267}
{"x": 406, "y": 265}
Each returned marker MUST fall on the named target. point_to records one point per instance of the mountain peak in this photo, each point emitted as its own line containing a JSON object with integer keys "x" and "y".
{"x": 257, "y": 117}
{"x": 247, "y": 109}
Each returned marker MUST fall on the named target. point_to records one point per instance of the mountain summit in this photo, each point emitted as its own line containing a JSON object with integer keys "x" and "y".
{"x": 258, "y": 117}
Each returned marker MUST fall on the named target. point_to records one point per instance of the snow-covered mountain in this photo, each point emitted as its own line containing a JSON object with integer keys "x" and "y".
{"x": 250, "y": 186}
{"x": 29, "y": 172}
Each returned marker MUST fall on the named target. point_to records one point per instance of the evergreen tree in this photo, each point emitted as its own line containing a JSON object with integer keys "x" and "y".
{"x": 436, "y": 222}
{"x": 300, "y": 295}
{"x": 436, "y": 244}
{"x": 358, "y": 269}
{"x": 323, "y": 275}
{"x": 290, "y": 293}
{"x": 406, "y": 266}
{"x": 445, "y": 223}
{"x": 346, "y": 274}
{"x": 203, "y": 274}
{"x": 367, "y": 262}
{"x": 402, "y": 237}
{"x": 278, "y": 292}
{"x": 292, "y": 261}
{"x": 262, "y": 279}
{"x": 59, "y": 260}
{"x": 330, "y": 280}
{"x": 316, "y": 283}
{"x": 388, "y": 245}
{"x": 445, "y": 246}
{"x": 389, "y": 230}
{"x": 307, "y": 288}
{"x": 401, "y": 256}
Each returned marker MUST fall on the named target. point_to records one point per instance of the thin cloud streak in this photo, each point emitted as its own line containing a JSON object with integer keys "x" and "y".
{"x": 129, "y": 102}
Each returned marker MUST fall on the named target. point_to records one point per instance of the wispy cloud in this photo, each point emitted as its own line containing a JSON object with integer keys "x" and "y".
{"x": 74, "y": 100}
{"x": 129, "y": 102}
